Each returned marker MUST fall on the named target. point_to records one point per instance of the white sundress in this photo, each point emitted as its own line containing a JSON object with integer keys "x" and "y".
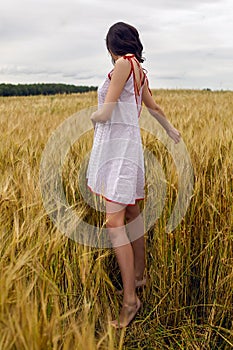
{"x": 116, "y": 165}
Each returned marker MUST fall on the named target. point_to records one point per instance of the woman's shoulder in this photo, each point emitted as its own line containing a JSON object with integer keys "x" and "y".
{"x": 122, "y": 67}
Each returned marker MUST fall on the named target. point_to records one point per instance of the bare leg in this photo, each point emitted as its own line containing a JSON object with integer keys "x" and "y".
{"x": 136, "y": 229}
{"x": 125, "y": 258}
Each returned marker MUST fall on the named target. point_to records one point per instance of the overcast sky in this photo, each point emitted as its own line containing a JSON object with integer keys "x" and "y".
{"x": 187, "y": 44}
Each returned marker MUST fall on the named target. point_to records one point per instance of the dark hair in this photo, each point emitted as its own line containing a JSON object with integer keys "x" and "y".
{"x": 122, "y": 38}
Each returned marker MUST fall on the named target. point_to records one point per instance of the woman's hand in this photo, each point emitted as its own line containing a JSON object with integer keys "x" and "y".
{"x": 104, "y": 113}
{"x": 174, "y": 134}
{"x": 95, "y": 117}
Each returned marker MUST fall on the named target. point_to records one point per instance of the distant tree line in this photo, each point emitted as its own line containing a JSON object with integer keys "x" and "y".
{"x": 42, "y": 89}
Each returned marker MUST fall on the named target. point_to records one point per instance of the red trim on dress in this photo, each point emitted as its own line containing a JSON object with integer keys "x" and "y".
{"x": 109, "y": 200}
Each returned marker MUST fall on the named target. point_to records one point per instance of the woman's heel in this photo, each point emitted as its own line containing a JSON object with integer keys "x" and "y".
{"x": 138, "y": 284}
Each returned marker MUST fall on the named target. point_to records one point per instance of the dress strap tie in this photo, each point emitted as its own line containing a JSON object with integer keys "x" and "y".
{"x": 130, "y": 58}
{"x": 142, "y": 75}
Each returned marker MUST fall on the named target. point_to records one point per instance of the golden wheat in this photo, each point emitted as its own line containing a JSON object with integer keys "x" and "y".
{"x": 58, "y": 294}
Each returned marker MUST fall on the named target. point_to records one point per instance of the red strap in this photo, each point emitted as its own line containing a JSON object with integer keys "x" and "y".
{"x": 141, "y": 73}
{"x": 109, "y": 74}
{"x": 125, "y": 57}
{"x": 142, "y": 76}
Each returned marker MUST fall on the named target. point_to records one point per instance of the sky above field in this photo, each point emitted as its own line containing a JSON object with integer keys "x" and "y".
{"x": 187, "y": 44}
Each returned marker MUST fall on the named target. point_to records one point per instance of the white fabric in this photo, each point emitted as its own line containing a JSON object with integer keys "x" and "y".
{"x": 116, "y": 164}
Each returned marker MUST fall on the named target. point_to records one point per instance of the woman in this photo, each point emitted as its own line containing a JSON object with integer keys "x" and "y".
{"x": 120, "y": 99}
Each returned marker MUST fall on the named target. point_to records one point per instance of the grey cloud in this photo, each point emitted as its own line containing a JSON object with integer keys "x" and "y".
{"x": 183, "y": 41}
{"x": 147, "y": 5}
{"x": 18, "y": 70}
{"x": 192, "y": 69}
{"x": 14, "y": 70}
{"x": 164, "y": 77}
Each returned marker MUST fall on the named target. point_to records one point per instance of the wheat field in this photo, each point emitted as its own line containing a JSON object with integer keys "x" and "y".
{"x": 58, "y": 294}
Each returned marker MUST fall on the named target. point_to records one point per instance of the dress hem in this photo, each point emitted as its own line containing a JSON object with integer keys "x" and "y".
{"x": 110, "y": 200}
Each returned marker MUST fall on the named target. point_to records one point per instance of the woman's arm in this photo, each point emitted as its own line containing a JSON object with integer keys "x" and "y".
{"x": 119, "y": 77}
{"x": 157, "y": 113}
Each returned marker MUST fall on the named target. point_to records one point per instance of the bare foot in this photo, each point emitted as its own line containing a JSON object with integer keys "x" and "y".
{"x": 127, "y": 313}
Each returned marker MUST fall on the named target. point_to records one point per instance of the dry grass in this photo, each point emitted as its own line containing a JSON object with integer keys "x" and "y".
{"x": 57, "y": 294}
